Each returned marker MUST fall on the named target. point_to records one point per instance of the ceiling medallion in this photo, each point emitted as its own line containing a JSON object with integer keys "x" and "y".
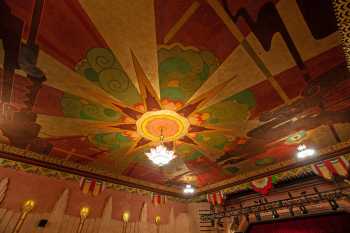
{"x": 168, "y": 124}
{"x": 162, "y": 126}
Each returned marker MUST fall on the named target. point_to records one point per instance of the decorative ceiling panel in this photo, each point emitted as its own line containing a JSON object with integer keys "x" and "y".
{"x": 234, "y": 86}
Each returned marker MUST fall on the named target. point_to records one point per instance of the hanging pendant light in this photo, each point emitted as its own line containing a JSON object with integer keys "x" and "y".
{"x": 160, "y": 155}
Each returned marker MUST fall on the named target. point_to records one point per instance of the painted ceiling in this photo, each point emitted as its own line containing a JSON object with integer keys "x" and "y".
{"x": 235, "y": 86}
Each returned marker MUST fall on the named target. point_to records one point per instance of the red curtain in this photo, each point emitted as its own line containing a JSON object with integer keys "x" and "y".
{"x": 338, "y": 223}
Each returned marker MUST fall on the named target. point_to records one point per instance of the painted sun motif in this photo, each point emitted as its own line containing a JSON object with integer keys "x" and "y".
{"x": 168, "y": 124}
{"x": 156, "y": 120}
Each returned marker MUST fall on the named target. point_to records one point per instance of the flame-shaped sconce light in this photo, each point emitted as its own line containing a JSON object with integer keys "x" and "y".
{"x": 157, "y": 221}
{"x": 27, "y": 207}
{"x": 125, "y": 218}
{"x": 84, "y": 213}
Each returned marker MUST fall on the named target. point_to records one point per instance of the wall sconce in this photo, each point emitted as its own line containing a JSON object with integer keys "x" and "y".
{"x": 157, "y": 221}
{"x": 84, "y": 213}
{"x": 27, "y": 207}
{"x": 125, "y": 218}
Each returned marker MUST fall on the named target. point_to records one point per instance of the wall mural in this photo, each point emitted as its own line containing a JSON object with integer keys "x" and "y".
{"x": 234, "y": 87}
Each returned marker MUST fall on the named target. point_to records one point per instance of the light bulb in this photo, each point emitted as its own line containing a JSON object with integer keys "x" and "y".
{"x": 304, "y": 152}
{"x": 84, "y": 212}
{"x": 188, "y": 189}
{"x": 126, "y": 216}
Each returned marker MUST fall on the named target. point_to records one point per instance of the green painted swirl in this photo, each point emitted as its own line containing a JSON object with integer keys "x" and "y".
{"x": 103, "y": 69}
{"x": 91, "y": 111}
{"x": 113, "y": 80}
{"x": 75, "y": 107}
{"x": 182, "y": 72}
{"x": 100, "y": 59}
{"x": 111, "y": 141}
{"x": 71, "y": 106}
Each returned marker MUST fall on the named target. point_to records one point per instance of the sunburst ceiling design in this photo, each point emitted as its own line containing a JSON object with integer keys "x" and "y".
{"x": 235, "y": 86}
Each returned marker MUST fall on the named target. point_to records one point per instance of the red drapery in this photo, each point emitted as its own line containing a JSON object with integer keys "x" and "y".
{"x": 338, "y": 223}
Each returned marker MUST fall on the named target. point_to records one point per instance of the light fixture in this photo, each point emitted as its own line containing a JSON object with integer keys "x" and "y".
{"x": 84, "y": 213}
{"x": 126, "y": 216}
{"x": 188, "y": 189}
{"x": 304, "y": 152}
{"x": 157, "y": 220}
{"x": 160, "y": 155}
{"x": 27, "y": 207}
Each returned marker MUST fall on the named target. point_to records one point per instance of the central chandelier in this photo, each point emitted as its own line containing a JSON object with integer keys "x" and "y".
{"x": 160, "y": 155}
